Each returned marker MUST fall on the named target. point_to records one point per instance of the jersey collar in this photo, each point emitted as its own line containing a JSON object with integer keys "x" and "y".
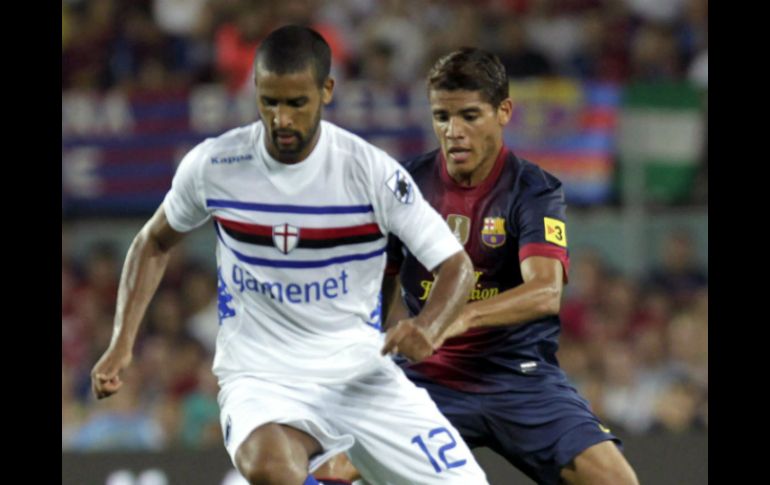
{"x": 485, "y": 184}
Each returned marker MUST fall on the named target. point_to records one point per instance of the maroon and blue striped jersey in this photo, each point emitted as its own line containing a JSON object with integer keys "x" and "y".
{"x": 516, "y": 212}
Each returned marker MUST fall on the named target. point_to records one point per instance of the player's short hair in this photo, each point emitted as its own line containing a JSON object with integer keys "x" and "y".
{"x": 291, "y": 49}
{"x": 471, "y": 69}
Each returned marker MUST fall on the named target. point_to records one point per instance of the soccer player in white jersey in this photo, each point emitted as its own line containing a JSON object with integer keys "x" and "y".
{"x": 302, "y": 209}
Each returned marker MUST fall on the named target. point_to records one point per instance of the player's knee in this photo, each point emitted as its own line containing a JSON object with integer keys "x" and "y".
{"x": 265, "y": 465}
{"x": 272, "y": 470}
{"x": 615, "y": 471}
{"x": 618, "y": 474}
{"x": 601, "y": 464}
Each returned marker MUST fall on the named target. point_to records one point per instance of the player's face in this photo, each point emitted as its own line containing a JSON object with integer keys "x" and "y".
{"x": 290, "y": 107}
{"x": 470, "y": 131}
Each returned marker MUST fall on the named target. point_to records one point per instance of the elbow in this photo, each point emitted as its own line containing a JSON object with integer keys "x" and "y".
{"x": 145, "y": 243}
{"x": 140, "y": 240}
{"x": 551, "y": 303}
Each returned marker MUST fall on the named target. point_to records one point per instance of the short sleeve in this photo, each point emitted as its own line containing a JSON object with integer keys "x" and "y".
{"x": 185, "y": 203}
{"x": 402, "y": 211}
{"x": 540, "y": 216}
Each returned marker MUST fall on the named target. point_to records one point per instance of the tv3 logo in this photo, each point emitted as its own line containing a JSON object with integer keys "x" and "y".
{"x": 441, "y": 451}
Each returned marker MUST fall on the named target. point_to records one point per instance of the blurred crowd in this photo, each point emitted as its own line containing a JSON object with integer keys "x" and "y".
{"x": 162, "y": 45}
{"x": 636, "y": 348}
{"x": 169, "y": 393}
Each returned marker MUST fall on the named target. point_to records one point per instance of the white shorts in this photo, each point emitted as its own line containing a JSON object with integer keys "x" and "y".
{"x": 391, "y": 429}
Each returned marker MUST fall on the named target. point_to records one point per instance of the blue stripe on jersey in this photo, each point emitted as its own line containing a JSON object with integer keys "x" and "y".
{"x": 273, "y": 263}
{"x": 307, "y": 264}
{"x": 291, "y": 209}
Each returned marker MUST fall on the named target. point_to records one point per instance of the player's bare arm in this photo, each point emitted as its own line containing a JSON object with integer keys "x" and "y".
{"x": 538, "y": 296}
{"x": 143, "y": 269}
{"x": 417, "y": 338}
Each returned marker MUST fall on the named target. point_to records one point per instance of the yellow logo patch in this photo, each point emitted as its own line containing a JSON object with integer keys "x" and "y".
{"x": 604, "y": 429}
{"x": 460, "y": 226}
{"x": 555, "y": 231}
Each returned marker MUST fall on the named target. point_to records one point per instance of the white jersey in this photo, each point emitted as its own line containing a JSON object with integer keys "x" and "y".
{"x": 301, "y": 249}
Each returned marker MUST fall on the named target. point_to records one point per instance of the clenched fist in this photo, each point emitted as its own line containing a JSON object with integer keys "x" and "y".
{"x": 410, "y": 339}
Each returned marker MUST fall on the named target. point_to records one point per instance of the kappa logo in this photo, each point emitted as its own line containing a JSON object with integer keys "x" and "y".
{"x": 402, "y": 189}
{"x": 285, "y": 237}
{"x": 493, "y": 232}
{"x": 234, "y": 159}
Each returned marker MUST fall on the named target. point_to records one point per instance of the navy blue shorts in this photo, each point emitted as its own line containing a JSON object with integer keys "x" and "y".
{"x": 539, "y": 432}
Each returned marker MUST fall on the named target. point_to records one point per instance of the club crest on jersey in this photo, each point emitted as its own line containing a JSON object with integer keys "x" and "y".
{"x": 402, "y": 189}
{"x": 460, "y": 226}
{"x": 285, "y": 237}
{"x": 493, "y": 232}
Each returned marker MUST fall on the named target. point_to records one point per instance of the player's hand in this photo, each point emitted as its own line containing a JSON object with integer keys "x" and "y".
{"x": 105, "y": 376}
{"x": 410, "y": 339}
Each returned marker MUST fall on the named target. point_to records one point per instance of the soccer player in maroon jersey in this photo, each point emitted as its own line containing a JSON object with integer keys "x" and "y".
{"x": 496, "y": 376}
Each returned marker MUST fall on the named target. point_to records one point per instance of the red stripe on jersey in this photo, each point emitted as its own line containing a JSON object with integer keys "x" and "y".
{"x": 304, "y": 232}
{"x": 255, "y": 229}
{"x": 548, "y": 251}
{"x": 336, "y": 232}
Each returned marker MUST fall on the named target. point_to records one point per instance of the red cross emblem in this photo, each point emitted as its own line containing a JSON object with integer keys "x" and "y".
{"x": 285, "y": 237}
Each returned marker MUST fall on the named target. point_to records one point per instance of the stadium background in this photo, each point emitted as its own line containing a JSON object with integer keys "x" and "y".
{"x": 610, "y": 95}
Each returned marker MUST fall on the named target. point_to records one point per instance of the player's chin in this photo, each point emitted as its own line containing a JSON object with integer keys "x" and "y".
{"x": 460, "y": 169}
{"x": 291, "y": 150}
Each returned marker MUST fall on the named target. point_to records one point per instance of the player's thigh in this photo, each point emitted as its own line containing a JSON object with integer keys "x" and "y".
{"x": 248, "y": 404}
{"x": 541, "y": 432}
{"x": 275, "y": 451}
{"x": 600, "y": 464}
{"x": 401, "y": 437}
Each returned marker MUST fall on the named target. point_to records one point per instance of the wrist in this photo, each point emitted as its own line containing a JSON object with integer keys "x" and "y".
{"x": 122, "y": 345}
{"x": 430, "y": 329}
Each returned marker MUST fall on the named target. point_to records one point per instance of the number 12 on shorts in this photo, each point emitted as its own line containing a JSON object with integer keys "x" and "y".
{"x": 441, "y": 451}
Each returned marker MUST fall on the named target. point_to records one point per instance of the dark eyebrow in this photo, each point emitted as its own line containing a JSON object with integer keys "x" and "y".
{"x": 285, "y": 100}
{"x": 466, "y": 111}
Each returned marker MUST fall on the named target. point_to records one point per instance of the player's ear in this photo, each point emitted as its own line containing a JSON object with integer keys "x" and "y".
{"x": 327, "y": 91}
{"x": 505, "y": 111}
